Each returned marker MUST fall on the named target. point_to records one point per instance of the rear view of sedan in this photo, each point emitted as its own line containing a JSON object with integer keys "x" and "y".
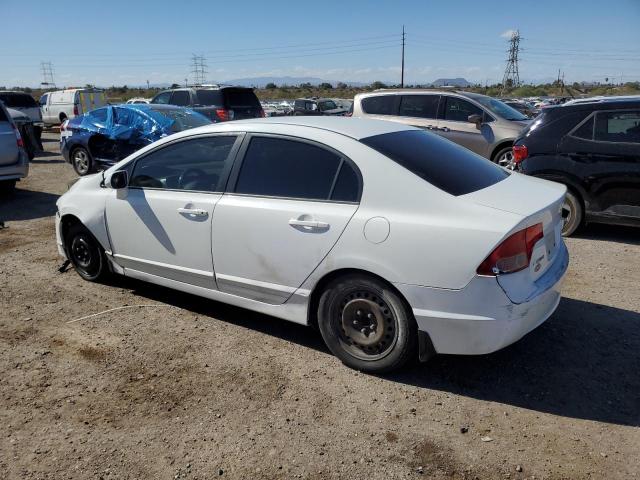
{"x": 104, "y": 136}
{"x": 395, "y": 243}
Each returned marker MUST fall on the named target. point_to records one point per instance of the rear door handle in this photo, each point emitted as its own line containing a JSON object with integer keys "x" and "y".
{"x": 294, "y": 222}
{"x": 196, "y": 212}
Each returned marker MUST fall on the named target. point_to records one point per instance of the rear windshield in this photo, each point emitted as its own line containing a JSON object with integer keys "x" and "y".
{"x": 241, "y": 97}
{"x": 209, "y": 97}
{"x": 18, "y": 100}
{"x": 183, "y": 119}
{"x": 442, "y": 163}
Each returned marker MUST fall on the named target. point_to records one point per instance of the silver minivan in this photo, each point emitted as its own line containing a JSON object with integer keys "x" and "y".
{"x": 14, "y": 163}
{"x": 480, "y": 123}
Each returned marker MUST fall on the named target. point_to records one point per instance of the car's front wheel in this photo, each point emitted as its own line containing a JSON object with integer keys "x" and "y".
{"x": 366, "y": 324}
{"x": 504, "y": 157}
{"x": 572, "y": 212}
{"x": 85, "y": 253}
{"x": 81, "y": 161}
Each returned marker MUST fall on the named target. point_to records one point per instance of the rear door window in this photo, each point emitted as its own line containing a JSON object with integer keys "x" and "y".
{"x": 181, "y": 97}
{"x": 162, "y": 98}
{"x": 422, "y": 106}
{"x": 381, "y": 105}
{"x": 284, "y": 168}
{"x": 618, "y": 126}
{"x": 442, "y": 163}
{"x": 458, "y": 110}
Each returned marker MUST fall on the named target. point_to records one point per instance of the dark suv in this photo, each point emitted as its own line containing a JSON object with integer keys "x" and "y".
{"x": 317, "y": 106}
{"x": 219, "y": 103}
{"x": 594, "y": 149}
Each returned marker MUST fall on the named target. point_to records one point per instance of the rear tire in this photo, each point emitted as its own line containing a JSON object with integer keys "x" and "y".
{"x": 81, "y": 161}
{"x": 573, "y": 221}
{"x": 366, "y": 324}
{"x": 504, "y": 157}
{"x": 85, "y": 254}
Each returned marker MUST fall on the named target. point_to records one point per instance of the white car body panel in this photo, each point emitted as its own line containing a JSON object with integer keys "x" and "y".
{"x": 425, "y": 242}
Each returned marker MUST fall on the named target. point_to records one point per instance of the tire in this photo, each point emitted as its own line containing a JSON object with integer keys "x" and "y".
{"x": 85, "y": 253}
{"x": 81, "y": 161}
{"x": 348, "y": 309}
{"x": 573, "y": 221}
{"x": 7, "y": 187}
{"x": 504, "y": 157}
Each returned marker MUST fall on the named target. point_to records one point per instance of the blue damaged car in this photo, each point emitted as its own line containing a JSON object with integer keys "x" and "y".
{"x": 103, "y": 137}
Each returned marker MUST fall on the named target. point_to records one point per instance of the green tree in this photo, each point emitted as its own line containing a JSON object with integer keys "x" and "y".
{"x": 378, "y": 84}
{"x": 342, "y": 86}
{"x": 326, "y": 86}
{"x": 271, "y": 86}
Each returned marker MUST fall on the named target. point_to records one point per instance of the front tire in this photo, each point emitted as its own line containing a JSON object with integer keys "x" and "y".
{"x": 573, "y": 206}
{"x": 366, "y": 324}
{"x": 504, "y": 157}
{"x": 81, "y": 161}
{"x": 85, "y": 253}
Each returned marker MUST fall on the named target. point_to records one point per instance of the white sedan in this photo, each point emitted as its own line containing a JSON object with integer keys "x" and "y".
{"x": 394, "y": 242}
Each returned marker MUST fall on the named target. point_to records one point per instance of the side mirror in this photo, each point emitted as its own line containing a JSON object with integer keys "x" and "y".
{"x": 475, "y": 118}
{"x": 119, "y": 179}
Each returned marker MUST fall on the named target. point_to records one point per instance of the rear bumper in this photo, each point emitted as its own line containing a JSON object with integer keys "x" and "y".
{"x": 18, "y": 170}
{"x": 481, "y": 318}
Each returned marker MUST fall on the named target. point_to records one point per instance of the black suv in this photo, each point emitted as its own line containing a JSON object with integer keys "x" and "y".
{"x": 219, "y": 103}
{"x": 594, "y": 149}
{"x": 317, "y": 106}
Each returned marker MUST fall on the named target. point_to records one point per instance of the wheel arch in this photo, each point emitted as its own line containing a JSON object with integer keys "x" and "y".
{"x": 500, "y": 146}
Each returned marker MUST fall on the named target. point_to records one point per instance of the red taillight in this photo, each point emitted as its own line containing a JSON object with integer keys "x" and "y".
{"x": 75, "y": 110}
{"x": 520, "y": 152}
{"x": 224, "y": 114}
{"x": 513, "y": 254}
{"x": 19, "y": 140}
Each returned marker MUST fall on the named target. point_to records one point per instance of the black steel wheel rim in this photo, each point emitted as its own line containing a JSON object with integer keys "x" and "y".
{"x": 85, "y": 255}
{"x": 367, "y": 326}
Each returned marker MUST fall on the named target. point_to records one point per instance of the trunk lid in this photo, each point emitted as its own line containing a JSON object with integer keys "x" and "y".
{"x": 536, "y": 201}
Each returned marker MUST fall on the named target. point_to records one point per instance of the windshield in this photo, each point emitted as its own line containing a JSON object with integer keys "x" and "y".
{"x": 18, "y": 100}
{"x": 183, "y": 119}
{"x": 327, "y": 105}
{"x": 500, "y": 108}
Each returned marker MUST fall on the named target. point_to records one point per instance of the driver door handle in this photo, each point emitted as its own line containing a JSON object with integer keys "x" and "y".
{"x": 196, "y": 212}
{"x": 294, "y": 222}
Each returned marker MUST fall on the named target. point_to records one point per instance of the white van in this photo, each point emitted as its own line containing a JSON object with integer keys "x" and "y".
{"x": 56, "y": 107}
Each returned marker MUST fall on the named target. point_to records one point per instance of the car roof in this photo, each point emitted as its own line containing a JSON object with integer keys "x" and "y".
{"x": 599, "y": 104}
{"x": 356, "y": 128}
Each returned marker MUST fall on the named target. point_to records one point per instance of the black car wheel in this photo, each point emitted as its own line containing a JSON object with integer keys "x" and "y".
{"x": 85, "y": 253}
{"x": 572, "y": 212}
{"x": 366, "y": 324}
{"x": 81, "y": 161}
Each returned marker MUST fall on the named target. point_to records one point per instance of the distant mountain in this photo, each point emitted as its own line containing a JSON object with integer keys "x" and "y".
{"x": 452, "y": 82}
{"x": 261, "y": 82}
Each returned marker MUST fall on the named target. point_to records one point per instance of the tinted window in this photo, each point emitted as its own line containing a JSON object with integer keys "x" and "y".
{"x": 18, "y": 100}
{"x": 241, "y": 97}
{"x": 380, "y": 105}
{"x": 199, "y": 164}
{"x": 99, "y": 116}
{"x": 500, "y": 108}
{"x": 209, "y": 97}
{"x": 621, "y": 126}
{"x": 458, "y": 110}
{"x": 183, "y": 119}
{"x": 162, "y": 98}
{"x": 286, "y": 168}
{"x": 181, "y": 97}
{"x": 423, "y": 106}
{"x": 43, "y": 100}
{"x": 585, "y": 131}
{"x": 327, "y": 105}
{"x": 444, "y": 164}
{"x": 347, "y": 186}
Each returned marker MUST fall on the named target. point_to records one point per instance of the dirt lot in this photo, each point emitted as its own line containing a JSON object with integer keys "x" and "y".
{"x": 198, "y": 390}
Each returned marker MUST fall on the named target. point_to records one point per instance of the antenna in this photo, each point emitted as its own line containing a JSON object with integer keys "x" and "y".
{"x": 47, "y": 74}
{"x": 511, "y": 75}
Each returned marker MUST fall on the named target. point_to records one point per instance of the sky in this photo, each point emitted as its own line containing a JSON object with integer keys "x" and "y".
{"x": 131, "y": 42}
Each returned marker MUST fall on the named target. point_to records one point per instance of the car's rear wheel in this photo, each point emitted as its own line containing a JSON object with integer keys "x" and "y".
{"x": 81, "y": 161}
{"x": 504, "y": 157}
{"x": 366, "y": 324}
{"x": 573, "y": 214}
{"x": 85, "y": 253}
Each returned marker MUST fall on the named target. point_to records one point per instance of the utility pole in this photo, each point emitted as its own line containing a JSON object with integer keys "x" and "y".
{"x": 402, "y": 70}
{"x": 511, "y": 73}
{"x": 147, "y": 84}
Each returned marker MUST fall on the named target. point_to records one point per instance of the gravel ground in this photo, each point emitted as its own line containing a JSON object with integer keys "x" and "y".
{"x": 195, "y": 389}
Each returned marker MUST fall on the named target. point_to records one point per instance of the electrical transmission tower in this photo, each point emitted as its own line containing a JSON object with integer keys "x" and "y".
{"x": 47, "y": 74}
{"x": 198, "y": 69}
{"x": 511, "y": 75}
